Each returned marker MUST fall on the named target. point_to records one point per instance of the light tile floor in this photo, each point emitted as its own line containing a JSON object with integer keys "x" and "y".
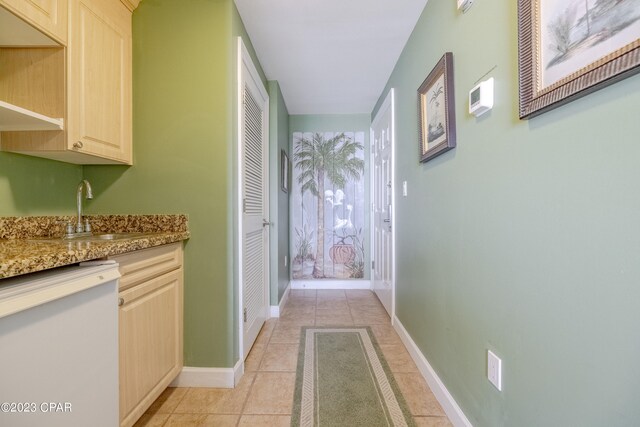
{"x": 264, "y": 396}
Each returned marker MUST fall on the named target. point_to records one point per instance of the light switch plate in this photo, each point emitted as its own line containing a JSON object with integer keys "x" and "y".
{"x": 404, "y": 188}
{"x": 494, "y": 369}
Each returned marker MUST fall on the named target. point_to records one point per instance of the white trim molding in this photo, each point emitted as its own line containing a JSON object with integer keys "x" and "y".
{"x": 451, "y": 408}
{"x": 209, "y": 377}
{"x": 238, "y": 372}
{"x": 277, "y": 309}
{"x": 330, "y": 284}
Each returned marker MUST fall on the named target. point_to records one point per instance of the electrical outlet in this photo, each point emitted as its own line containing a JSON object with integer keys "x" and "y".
{"x": 404, "y": 188}
{"x": 494, "y": 369}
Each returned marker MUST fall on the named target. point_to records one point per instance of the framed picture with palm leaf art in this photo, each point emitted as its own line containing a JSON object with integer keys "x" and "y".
{"x": 436, "y": 110}
{"x": 568, "y": 49}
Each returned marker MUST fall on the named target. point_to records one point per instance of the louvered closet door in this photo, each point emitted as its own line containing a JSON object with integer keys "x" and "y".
{"x": 255, "y": 206}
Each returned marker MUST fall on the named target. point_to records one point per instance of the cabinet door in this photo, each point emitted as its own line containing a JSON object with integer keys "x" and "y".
{"x": 99, "y": 83}
{"x": 150, "y": 342}
{"x": 49, "y": 16}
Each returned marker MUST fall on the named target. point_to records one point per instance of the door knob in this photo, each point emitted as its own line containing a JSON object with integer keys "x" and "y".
{"x": 78, "y": 145}
{"x": 265, "y": 223}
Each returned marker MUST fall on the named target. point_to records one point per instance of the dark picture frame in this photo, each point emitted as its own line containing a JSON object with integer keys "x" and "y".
{"x": 284, "y": 171}
{"x": 436, "y": 110}
{"x": 576, "y": 51}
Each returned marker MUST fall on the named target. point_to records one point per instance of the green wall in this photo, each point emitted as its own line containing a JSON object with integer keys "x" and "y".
{"x": 279, "y": 200}
{"x": 184, "y": 156}
{"x": 33, "y": 186}
{"x": 528, "y": 239}
{"x": 340, "y": 123}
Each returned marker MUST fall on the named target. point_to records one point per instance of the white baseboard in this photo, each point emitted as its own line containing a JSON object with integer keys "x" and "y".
{"x": 238, "y": 372}
{"x": 209, "y": 377}
{"x": 451, "y": 408}
{"x": 277, "y": 309}
{"x": 330, "y": 284}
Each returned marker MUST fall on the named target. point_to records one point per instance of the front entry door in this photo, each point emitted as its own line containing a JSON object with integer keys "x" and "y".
{"x": 382, "y": 135}
{"x": 253, "y": 130}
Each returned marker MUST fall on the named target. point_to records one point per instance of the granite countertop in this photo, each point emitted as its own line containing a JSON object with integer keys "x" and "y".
{"x": 29, "y": 244}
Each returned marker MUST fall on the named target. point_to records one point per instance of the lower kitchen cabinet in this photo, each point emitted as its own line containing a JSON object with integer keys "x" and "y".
{"x": 150, "y": 326}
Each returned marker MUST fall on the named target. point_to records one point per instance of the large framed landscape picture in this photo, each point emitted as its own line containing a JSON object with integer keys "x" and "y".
{"x": 570, "y": 48}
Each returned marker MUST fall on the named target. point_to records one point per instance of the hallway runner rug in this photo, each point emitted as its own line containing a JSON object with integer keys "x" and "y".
{"x": 342, "y": 379}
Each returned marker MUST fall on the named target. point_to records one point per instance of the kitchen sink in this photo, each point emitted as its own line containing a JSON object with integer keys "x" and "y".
{"x": 113, "y": 236}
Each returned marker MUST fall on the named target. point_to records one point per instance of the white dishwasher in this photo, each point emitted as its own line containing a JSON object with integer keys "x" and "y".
{"x": 59, "y": 348}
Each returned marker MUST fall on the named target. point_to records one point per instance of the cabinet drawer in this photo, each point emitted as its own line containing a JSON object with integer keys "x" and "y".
{"x": 139, "y": 266}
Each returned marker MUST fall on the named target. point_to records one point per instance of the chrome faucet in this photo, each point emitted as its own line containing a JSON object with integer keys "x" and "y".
{"x": 80, "y": 226}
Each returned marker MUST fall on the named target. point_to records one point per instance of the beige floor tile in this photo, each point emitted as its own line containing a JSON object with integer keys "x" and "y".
{"x": 365, "y": 302}
{"x": 418, "y": 396}
{"x": 370, "y": 319}
{"x": 369, "y": 310}
{"x": 216, "y": 400}
{"x": 297, "y": 309}
{"x": 398, "y": 358}
{"x": 265, "y": 421}
{"x": 167, "y": 402}
{"x": 385, "y": 334}
{"x": 432, "y": 422}
{"x": 271, "y": 394}
{"x": 332, "y": 304}
{"x": 152, "y": 420}
{"x": 202, "y": 420}
{"x": 252, "y": 362}
{"x": 369, "y": 315}
{"x": 300, "y": 319}
{"x": 302, "y": 293}
{"x": 266, "y": 331}
{"x": 360, "y": 294}
{"x": 286, "y": 333}
{"x": 331, "y": 294}
{"x": 280, "y": 357}
{"x": 333, "y": 318}
{"x": 185, "y": 420}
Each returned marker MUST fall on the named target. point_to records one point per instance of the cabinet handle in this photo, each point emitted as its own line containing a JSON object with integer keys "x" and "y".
{"x": 78, "y": 144}
{"x": 120, "y": 302}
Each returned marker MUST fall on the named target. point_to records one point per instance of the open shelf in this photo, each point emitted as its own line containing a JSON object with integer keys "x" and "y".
{"x": 14, "y": 118}
{"x": 15, "y": 32}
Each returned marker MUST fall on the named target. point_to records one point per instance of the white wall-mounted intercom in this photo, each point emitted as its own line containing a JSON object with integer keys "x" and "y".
{"x": 481, "y": 98}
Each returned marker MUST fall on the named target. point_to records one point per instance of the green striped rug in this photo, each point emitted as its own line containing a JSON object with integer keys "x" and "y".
{"x": 343, "y": 380}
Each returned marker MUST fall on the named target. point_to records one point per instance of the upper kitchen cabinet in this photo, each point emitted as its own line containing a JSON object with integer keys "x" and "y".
{"x": 95, "y": 94}
{"x": 49, "y": 16}
{"x": 100, "y": 79}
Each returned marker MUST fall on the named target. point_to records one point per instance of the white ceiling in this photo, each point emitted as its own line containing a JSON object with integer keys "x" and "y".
{"x": 329, "y": 56}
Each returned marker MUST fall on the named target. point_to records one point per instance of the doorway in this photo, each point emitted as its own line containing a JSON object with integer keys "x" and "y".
{"x": 382, "y": 160}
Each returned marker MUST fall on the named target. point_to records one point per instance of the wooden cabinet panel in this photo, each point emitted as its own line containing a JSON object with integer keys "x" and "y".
{"x": 99, "y": 82}
{"x": 49, "y": 16}
{"x": 96, "y": 94}
{"x": 150, "y": 326}
{"x": 150, "y": 342}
